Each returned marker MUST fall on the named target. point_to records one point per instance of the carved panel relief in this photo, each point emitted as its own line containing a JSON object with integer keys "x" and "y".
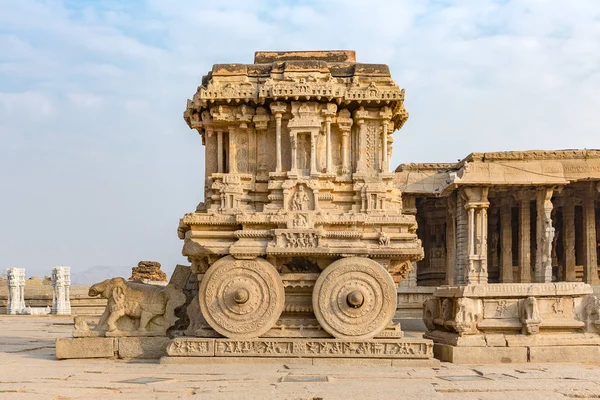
{"x": 302, "y": 199}
{"x": 370, "y": 144}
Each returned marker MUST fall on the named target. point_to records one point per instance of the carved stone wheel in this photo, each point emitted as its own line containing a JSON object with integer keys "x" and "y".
{"x": 241, "y": 299}
{"x": 354, "y": 298}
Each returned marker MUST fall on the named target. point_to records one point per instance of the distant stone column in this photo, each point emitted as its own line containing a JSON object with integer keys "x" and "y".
{"x": 545, "y": 236}
{"x": 384, "y": 155}
{"x": 361, "y": 148}
{"x": 451, "y": 241}
{"x": 278, "y": 108}
{"x": 61, "y": 283}
{"x": 568, "y": 235}
{"x": 16, "y": 290}
{"x": 476, "y": 206}
{"x": 329, "y": 111}
{"x": 506, "y": 242}
{"x": 344, "y": 122}
{"x": 525, "y": 238}
{"x": 590, "y": 259}
{"x": 385, "y": 114}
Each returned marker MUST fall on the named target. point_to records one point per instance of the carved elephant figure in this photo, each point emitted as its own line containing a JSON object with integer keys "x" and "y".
{"x": 137, "y": 301}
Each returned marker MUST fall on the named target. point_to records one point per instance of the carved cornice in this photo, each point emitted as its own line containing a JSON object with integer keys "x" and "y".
{"x": 299, "y": 79}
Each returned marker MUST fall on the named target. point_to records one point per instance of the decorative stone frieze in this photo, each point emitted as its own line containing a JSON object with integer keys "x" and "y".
{"x": 301, "y": 348}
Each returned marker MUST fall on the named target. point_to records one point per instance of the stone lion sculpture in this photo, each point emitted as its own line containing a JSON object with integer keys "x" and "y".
{"x": 136, "y": 309}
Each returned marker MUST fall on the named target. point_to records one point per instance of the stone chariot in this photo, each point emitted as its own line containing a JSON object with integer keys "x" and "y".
{"x": 301, "y": 233}
{"x": 301, "y": 241}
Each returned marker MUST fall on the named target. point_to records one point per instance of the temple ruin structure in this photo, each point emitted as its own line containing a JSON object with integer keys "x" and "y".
{"x": 308, "y": 245}
{"x": 513, "y": 239}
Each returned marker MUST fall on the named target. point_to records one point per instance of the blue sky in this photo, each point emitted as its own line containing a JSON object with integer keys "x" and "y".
{"x": 97, "y": 164}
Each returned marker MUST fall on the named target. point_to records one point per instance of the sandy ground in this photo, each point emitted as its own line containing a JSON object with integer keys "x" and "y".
{"x": 28, "y": 370}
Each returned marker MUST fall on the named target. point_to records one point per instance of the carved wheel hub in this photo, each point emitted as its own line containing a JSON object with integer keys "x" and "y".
{"x": 241, "y": 299}
{"x": 354, "y": 298}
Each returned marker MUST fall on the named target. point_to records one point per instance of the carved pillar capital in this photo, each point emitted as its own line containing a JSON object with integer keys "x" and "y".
{"x": 278, "y": 107}
{"x": 475, "y": 196}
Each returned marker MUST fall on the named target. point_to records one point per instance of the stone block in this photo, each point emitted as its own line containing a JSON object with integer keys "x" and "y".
{"x": 85, "y": 348}
{"x": 559, "y": 340}
{"x": 479, "y": 355}
{"x": 236, "y": 360}
{"x": 496, "y": 340}
{"x": 360, "y": 362}
{"x": 431, "y": 363}
{"x": 143, "y": 347}
{"x": 546, "y": 354}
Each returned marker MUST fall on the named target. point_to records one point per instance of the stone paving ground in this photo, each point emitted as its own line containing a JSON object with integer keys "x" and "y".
{"x": 28, "y": 370}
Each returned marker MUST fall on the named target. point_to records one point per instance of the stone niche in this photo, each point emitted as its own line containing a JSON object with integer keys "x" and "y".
{"x": 500, "y": 323}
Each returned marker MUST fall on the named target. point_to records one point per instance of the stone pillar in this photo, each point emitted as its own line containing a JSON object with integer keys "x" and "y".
{"x": 545, "y": 236}
{"x": 61, "y": 283}
{"x": 525, "y": 238}
{"x": 568, "y": 236}
{"x": 328, "y": 160}
{"x": 16, "y": 291}
{"x": 506, "y": 269}
{"x": 344, "y": 123}
{"x": 220, "y": 160}
{"x": 329, "y": 111}
{"x": 494, "y": 239}
{"x": 278, "y": 108}
{"x": 261, "y": 122}
{"x": 451, "y": 240}
{"x": 384, "y": 156}
{"x": 385, "y": 114}
{"x": 590, "y": 259}
{"x": 231, "y": 154}
{"x": 462, "y": 245}
{"x": 22, "y": 287}
{"x": 345, "y": 166}
{"x": 476, "y": 206}
{"x": 313, "y": 154}
{"x": 360, "y": 155}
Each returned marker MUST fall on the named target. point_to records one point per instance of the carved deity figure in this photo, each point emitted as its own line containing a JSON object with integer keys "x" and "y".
{"x": 300, "y": 199}
{"x": 300, "y": 221}
{"x": 303, "y": 154}
{"x": 548, "y": 236}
